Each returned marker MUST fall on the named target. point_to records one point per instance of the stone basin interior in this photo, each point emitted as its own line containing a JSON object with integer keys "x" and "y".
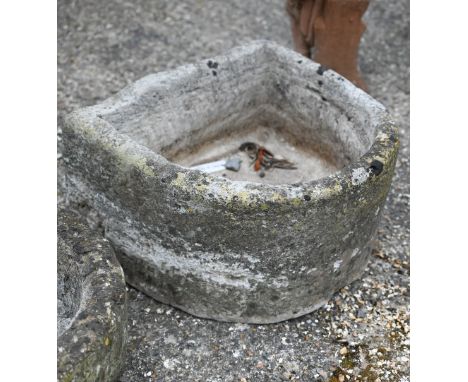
{"x": 197, "y": 114}
{"x": 69, "y": 287}
{"x": 309, "y": 163}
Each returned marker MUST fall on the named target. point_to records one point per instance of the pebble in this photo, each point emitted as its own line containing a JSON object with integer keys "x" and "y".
{"x": 233, "y": 164}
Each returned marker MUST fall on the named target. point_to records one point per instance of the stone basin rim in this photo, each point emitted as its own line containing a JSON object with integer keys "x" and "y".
{"x": 383, "y": 148}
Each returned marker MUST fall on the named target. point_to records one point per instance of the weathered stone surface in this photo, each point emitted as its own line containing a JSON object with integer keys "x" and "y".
{"x": 91, "y": 305}
{"x": 232, "y": 250}
{"x": 156, "y": 36}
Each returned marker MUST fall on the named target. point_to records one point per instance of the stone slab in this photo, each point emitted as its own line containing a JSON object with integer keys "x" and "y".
{"x": 91, "y": 305}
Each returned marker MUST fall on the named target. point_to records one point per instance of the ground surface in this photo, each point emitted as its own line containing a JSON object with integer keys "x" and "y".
{"x": 362, "y": 334}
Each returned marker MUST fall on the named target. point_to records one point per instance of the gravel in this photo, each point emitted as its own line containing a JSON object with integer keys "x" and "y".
{"x": 103, "y": 46}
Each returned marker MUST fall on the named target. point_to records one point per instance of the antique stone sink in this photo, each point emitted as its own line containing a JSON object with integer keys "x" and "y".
{"x": 234, "y": 246}
{"x": 91, "y": 305}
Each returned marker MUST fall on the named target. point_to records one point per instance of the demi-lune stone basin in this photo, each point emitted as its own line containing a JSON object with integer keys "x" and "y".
{"x": 233, "y": 246}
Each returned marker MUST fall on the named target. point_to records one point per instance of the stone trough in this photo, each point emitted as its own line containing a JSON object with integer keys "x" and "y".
{"x": 233, "y": 246}
{"x": 91, "y": 305}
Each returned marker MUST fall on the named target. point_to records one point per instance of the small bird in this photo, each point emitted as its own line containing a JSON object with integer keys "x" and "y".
{"x": 263, "y": 158}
